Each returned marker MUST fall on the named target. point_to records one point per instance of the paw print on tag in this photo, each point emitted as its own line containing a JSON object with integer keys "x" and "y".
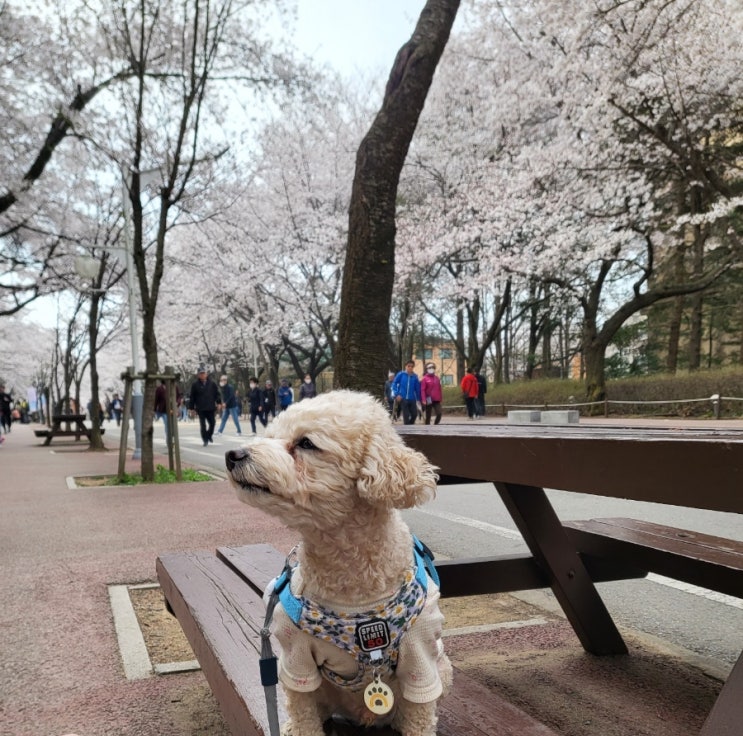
{"x": 379, "y": 698}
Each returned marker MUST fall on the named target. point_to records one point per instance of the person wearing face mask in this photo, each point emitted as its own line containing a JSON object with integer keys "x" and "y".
{"x": 229, "y": 405}
{"x": 307, "y": 390}
{"x": 431, "y": 394}
{"x": 204, "y": 399}
{"x": 256, "y": 401}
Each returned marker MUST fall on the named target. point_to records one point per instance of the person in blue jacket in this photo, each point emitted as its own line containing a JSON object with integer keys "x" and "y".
{"x": 407, "y": 391}
{"x": 285, "y": 394}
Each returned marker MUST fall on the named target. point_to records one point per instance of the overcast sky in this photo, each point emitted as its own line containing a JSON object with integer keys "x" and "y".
{"x": 355, "y": 35}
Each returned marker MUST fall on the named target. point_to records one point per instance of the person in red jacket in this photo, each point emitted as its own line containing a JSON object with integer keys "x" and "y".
{"x": 470, "y": 389}
{"x": 431, "y": 393}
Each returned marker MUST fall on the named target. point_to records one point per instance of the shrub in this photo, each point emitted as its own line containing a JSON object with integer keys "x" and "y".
{"x": 630, "y": 393}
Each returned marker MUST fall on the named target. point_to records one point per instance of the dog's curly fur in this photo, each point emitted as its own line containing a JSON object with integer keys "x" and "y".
{"x": 334, "y": 469}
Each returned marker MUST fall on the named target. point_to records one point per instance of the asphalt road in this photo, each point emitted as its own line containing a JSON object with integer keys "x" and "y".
{"x": 471, "y": 521}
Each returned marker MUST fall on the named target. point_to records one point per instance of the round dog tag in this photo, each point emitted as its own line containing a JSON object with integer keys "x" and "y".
{"x": 378, "y": 697}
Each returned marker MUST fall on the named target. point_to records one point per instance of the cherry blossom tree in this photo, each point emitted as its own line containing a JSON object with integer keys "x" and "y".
{"x": 567, "y": 184}
{"x": 271, "y": 260}
{"x": 369, "y": 270}
{"x": 188, "y": 61}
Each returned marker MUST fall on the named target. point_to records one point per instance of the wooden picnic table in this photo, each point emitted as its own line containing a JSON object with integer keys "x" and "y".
{"x": 697, "y": 468}
{"x": 66, "y": 425}
{"x": 217, "y": 596}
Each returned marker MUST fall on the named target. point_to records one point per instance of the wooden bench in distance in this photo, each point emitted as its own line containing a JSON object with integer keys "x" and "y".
{"x": 700, "y": 559}
{"x": 218, "y": 602}
{"x": 50, "y": 435}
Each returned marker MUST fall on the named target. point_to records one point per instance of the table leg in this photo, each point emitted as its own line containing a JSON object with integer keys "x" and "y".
{"x": 572, "y": 585}
{"x": 726, "y": 716}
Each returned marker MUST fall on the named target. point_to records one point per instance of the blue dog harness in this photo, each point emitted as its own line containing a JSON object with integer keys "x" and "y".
{"x": 372, "y": 637}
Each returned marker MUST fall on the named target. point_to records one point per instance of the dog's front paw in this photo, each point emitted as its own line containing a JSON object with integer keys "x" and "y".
{"x": 292, "y": 729}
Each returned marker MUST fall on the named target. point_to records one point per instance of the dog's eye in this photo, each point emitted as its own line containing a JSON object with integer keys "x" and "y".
{"x": 306, "y": 444}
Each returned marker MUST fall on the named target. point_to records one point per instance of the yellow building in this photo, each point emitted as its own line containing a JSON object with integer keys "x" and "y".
{"x": 444, "y": 358}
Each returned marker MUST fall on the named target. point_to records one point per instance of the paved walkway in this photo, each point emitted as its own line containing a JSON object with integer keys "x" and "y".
{"x": 60, "y": 547}
{"x": 60, "y": 668}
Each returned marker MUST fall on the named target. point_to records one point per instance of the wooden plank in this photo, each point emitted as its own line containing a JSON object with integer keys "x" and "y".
{"x": 697, "y": 468}
{"x": 484, "y": 575}
{"x": 511, "y": 573}
{"x": 256, "y": 564}
{"x": 222, "y": 618}
{"x": 712, "y": 547}
{"x": 570, "y": 582}
{"x": 220, "y": 615}
{"x": 726, "y": 716}
{"x": 700, "y": 559}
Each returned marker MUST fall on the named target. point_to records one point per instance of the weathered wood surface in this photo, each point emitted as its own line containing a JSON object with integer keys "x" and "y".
{"x": 699, "y": 468}
{"x": 700, "y": 559}
{"x": 217, "y": 602}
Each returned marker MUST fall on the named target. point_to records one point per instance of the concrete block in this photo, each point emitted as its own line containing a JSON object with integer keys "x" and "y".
{"x": 570, "y": 416}
{"x": 524, "y": 417}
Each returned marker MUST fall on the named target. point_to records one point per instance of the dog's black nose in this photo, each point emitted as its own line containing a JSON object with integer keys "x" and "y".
{"x": 233, "y": 457}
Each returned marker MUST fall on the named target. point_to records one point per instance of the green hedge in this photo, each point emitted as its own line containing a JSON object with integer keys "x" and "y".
{"x": 556, "y": 393}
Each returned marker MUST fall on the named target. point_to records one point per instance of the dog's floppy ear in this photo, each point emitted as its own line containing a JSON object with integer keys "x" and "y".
{"x": 394, "y": 475}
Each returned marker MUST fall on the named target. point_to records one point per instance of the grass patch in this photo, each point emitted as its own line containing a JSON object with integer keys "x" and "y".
{"x": 162, "y": 475}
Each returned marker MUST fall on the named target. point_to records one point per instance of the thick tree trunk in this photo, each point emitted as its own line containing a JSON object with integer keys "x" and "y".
{"x": 674, "y": 334}
{"x": 96, "y": 440}
{"x": 460, "y": 339}
{"x": 695, "y": 331}
{"x": 368, "y": 278}
{"x": 534, "y": 331}
{"x": 594, "y": 361}
{"x": 697, "y": 302}
{"x": 547, "y": 335}
{"x": 151, "y": 368}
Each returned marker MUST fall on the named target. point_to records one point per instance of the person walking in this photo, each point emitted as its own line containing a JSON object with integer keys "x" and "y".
{"x": 6, "y": 408}
{"x": 482, "y": 389}
{"x": 307, "y": 390}
{"x": 255, "y": 402}
{"x": 285, "y": 395}
{"x": 204, "y": 399}
{"x": 431, "y": 394}
{"x": 269, "y": 401}
{"x": 407, "y": 390}
{"x": 117, "y": 408}
{"x": 229, "y": 405}
{"x": 161, "y": 407}
{"x": 470, "y": 390}
{"x": 389, "y": 395}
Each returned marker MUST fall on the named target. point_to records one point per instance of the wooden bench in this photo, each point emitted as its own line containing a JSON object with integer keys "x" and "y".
{"x": 68, "y": 420}
{"x": 698, "y": 469}
{"x": 218, "y": 602}
{"x": 62, "y": 433}
{"x": 700, "y": 559}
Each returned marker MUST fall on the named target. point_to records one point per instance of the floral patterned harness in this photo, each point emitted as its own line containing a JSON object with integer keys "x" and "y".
{"x": 372, "y": 637}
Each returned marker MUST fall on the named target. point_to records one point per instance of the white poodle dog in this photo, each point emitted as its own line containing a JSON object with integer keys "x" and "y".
{"x": 358, "y": 620}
